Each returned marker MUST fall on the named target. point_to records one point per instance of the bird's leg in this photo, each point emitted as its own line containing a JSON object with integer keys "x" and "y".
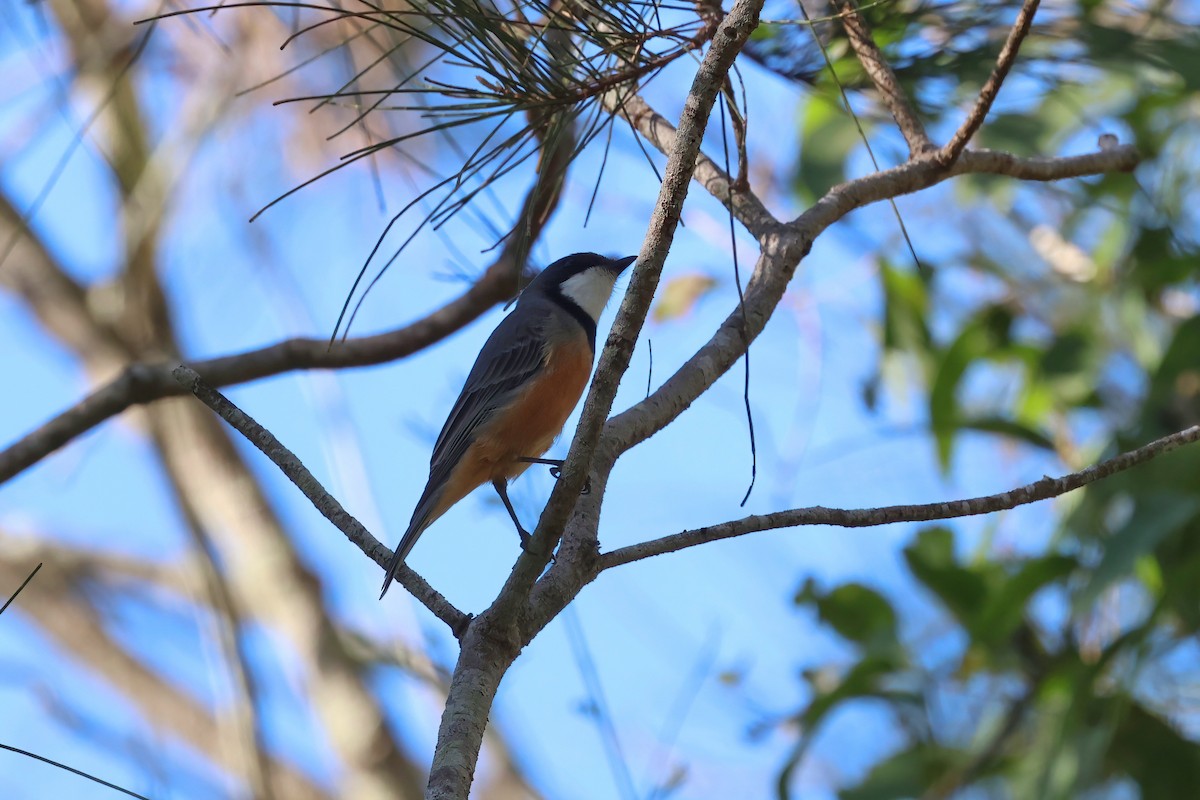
{"x": 556, "y": 465}
{"x": 501, "y": 487}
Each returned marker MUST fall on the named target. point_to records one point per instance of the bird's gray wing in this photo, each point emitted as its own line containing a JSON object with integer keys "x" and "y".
{"x": 511, "y": 357}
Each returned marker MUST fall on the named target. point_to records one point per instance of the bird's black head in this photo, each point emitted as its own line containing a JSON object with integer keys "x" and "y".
{"x": 584, "y": 279}
{"x": 579, "y": 284}
{"x": 568, "y": 267}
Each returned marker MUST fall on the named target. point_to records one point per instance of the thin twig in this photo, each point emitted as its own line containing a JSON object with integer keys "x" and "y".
{"x": 866, "y": 517}
{"x": 727, "y": 93}
{"x": 737, "y": 120}
{"x": 906, "y": 120}
{"x": 24, "y": 583}
{"x": 78, "y": 772}
{"x": 881, "y": 74}
{"x": 324, "y": 502}
{"x": 659, "y": 131}
{"x": 1008, "y": 54}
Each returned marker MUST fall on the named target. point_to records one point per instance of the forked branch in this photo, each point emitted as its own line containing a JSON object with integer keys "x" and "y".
{"x": 321, "y": 499}
{"x": 734, "y": 30}
{"x": 987, "y": 95}
{"x": 881, "y": 74}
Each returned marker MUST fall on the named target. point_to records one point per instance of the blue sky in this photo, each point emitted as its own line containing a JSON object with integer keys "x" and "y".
{"x": 723, "y": 609}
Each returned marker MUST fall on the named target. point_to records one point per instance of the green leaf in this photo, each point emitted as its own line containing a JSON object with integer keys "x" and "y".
{"x": 1179, "y": 57}
{"x": 1008, "y": 427}
{"x": 906, "y": 774}
{"x": 1158, "y": 262}
{"x": 906, "y": 309}
{"x": 1067, "y": 354}
{"x": 972, "y": 344}
{"x": 931, "y": 559}
{"x": 827, "y": 136}
{"x": 1015, "y": 133}
{"x": 1157, "y": 516}
{"x": 864, "y": 679}
{"x": 857, "y": 612}
{"x": 1005, "y": 607}
{"x": 1176, "y": 380}
{"x": 1151, "y": 752}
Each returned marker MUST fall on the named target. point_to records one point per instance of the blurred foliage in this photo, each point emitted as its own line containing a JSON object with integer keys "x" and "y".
{"x": 680, "y": 295}
{"x": 1064, "y": 318}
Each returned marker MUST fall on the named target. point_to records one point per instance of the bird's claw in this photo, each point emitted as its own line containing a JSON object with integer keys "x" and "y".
{"x": 527, "y": 546}
{"x": 556, "y": 473}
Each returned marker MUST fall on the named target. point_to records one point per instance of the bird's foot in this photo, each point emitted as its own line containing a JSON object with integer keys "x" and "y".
{"x": 556, "y": 466}
{"x": 527, "y": 546}
{"x": 556, "y": 473}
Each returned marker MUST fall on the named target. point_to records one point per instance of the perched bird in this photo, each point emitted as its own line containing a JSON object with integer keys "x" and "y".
{"x": 526, "y": 381}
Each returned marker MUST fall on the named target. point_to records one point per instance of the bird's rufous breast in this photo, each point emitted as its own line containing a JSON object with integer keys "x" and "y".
{"x": 537, "y": 416}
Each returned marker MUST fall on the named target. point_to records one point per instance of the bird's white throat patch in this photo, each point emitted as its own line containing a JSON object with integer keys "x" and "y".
{"x": 590, "y": 290}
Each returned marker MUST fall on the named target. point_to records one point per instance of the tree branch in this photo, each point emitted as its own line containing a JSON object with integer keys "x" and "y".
{"x": 927, "y": 512}
{"x": 881, "y": 74}
{"x": 324, "y": 502}
{"x": 143, "y": 383}
{"x": 916, "y": 175}
{"x": 657, "y": 130}
{"x": 733, "y": 32}
{"x": 243, "y": 733}
{"x": 782, "y": 252}
{"x": 492, "y": 642}
{"x": 1008, "y": 54}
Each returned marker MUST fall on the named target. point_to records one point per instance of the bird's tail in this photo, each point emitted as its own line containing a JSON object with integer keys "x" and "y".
{"x": 422, "y": 518}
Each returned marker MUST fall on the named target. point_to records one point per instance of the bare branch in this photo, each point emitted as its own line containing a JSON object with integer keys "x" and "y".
{"x": 916, "y": 175}
{"x": 492, "y": 642}
{"x": 782, "y": 252}
{"x": 143, "y": 383}
{"x": 1008, "y": 54}
{"x": 105, "y": 568}
{"x": 733, "y": 32}
{"x": 885, "y": 81}
{"x": 324, "y": 502}
{"x": 747, "y": 208}
{"x": 927, "y": 512}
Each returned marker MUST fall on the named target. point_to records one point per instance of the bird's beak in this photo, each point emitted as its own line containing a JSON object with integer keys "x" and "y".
{"x": 618, "y": 265}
